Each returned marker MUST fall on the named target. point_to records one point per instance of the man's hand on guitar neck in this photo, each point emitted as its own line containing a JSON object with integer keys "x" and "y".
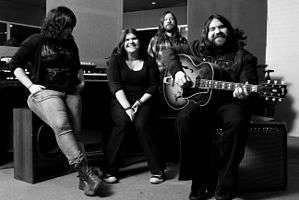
{"x": 241, "y": 92}
{"x": 181, "y": 78}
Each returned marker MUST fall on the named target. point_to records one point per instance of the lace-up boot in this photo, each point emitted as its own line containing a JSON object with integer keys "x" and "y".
{"x": 89, "y": 179}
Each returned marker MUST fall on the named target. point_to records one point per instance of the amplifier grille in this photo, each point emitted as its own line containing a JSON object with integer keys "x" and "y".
{"x": 264, "y": 164}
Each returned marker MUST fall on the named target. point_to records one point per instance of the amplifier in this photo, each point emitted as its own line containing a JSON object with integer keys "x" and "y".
{"x": 92, "y": 73}
{"x": 264, "y": 166}
{"x": 92, "y": 143}
{"x": 95, "y": 77}
{"x": 37, "y": 156}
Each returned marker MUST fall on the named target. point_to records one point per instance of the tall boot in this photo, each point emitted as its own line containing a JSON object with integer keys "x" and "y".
{"x": 89, "y": 179}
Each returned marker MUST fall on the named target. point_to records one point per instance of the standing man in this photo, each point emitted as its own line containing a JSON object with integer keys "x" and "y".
{"x": 213, "y": 166}
{"x": 168, "y": 35}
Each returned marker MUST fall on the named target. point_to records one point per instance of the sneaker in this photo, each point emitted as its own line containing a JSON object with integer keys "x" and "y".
{"x": 108, "y": 178}
{"x": 157, "y": 178}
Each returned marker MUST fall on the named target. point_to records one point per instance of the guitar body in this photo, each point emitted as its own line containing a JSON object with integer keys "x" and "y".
{"x": 178, "y": 97}
{"x": 205, "y": 78}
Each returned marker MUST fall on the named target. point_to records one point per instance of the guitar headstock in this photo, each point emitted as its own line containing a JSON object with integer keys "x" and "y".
{"x": 272, "y": 90}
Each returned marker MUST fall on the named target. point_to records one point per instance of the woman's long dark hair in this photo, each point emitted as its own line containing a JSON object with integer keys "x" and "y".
{"x": 56, "y": 21}
{"x": 120, "y": 50}
{"x": 162, "y": 37}
{"x": 235, "y": 38}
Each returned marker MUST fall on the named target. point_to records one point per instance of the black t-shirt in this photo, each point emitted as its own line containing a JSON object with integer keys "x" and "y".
{"x": 57, "y": 66}
{"x": 54, "y": 63}
{"x": 134, "y": 83}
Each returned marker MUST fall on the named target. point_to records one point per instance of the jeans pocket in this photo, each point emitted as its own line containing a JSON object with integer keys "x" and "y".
{"x": 43, "y": 95}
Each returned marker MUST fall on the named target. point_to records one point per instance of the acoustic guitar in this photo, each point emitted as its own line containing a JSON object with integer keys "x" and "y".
{"x": 202, "y": 84}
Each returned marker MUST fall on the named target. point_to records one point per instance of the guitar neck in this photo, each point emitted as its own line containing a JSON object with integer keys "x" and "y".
{"x": 223, "y": 85}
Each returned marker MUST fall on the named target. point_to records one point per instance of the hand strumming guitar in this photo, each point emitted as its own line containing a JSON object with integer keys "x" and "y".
{"x": 181, "y": 78}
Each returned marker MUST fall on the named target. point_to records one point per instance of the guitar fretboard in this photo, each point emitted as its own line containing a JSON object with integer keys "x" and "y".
{"x": 223, "y": 85}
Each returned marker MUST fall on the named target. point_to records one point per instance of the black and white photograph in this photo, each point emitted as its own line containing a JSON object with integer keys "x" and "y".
{"x": 149, "y": 99}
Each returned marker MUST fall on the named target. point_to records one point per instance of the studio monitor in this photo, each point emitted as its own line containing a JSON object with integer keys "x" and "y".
{"x": 37, "y": 156}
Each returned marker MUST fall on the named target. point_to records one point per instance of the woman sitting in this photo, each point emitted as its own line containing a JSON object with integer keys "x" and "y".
{"x": 133, "y": 79}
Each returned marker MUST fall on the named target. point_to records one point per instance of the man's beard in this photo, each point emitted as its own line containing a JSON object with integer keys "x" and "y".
{"x": 170, "y": 30}
{"x": 220, "y": 36}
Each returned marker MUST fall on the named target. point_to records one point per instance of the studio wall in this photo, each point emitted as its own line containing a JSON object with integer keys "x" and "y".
{"x": 22, "y": 12}
{"x": 282, "y": 55}
{"x": 98, "y": 28}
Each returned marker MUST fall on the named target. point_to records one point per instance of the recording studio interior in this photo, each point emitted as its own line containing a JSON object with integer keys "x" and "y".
{"x": 32, "y": 165}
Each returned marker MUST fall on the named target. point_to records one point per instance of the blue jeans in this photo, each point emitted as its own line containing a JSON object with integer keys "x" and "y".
{"x": 62, "y": 112}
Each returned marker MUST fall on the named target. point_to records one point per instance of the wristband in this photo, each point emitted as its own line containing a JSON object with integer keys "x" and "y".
{"x": 128, "y": 108}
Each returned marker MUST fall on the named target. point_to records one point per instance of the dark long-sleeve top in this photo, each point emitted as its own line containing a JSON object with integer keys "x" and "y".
{"x": 238, "y": 66}
{"x": 134, "y": 83}
{"x": 54, "y": 64}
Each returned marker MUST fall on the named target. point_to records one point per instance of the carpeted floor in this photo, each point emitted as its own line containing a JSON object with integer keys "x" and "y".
{"x": 134, "y": 185}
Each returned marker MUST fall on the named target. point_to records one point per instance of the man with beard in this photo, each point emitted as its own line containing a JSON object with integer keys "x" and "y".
{"x": 168, "y": 35}
{"x": 211, "y": 164}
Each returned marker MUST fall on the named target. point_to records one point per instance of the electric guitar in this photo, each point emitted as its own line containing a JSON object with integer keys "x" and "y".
{"x": 202, "y": 84}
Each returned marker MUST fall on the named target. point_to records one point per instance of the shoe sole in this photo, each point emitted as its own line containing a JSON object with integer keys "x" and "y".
{"x": 110, "y": 182}
{"x": 157, "y": 182}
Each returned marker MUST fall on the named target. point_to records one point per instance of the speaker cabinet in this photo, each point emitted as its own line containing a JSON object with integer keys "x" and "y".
{"x": 264, "y": 166}
{"x": 91, "y": 142}
{"x": 37, "y": 156}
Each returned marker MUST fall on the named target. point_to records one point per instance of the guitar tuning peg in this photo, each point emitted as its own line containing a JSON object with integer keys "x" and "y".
{"x": 266, "y": 98}
{"x": 275, "y": 82}
{"x": 280, "y": 99}
{"x": 274, "y": 99}
{"x": 282, "y": 82}
{"x": 268, "y": 81}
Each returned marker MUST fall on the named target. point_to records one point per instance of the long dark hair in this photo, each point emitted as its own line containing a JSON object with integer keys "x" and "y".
{"x": 56, "y": 21}
{"x": 161, "y": 30}
{"x": 235, "y": 38}
{"x": 120, "y": 50}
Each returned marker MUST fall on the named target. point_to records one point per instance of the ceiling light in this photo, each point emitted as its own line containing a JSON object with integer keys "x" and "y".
{"x": 154, "y": 3}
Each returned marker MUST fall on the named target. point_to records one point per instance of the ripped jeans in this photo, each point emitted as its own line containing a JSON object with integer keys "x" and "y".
{"x": 62, "y": 112}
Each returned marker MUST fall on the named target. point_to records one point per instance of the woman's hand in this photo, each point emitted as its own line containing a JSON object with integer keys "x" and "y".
{"x": 131, "y": 113}
{"x": 80, "y": 87}
{"x": 136, "y": 105}
{"x": 34, "y": 88}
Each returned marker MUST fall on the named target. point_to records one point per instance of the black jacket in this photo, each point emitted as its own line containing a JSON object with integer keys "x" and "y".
{"x": 238, "y": 66}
